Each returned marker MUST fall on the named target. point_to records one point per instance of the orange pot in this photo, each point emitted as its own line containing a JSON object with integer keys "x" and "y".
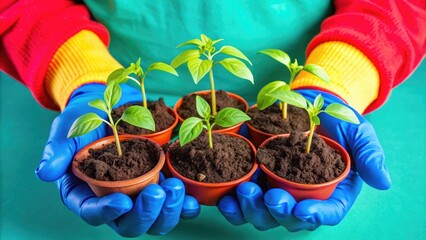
{"x": 233, "y": 129}
{"x": 257, "y": 136}
{"x": 131, "y": 187}
{"x": 308, "y": 191}
{"x": 210, "y": 193}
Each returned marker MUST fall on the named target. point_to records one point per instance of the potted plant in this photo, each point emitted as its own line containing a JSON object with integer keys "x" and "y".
{"x": 103, "y": 164}
{"x": 307, "y": 165}
{"x": 201, "y": 61}
{"x": 165, "y": 118}
{"x": 211, "y": 164}
{"x": 271, "y": 116}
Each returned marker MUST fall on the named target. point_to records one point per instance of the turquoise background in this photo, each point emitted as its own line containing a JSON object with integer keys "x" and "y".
{"x": 31, "y": 209}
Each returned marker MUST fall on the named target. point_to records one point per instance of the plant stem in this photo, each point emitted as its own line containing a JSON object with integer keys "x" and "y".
{"x": 292, "y": 76}
{"x": 142, "y": 80}
{"x": 114, "y": 131}
{"x": 284, "y": 110}
{"x": 311, "y": 134}
{"x": 213, "y": 93}
{"x": 209, "y": 132}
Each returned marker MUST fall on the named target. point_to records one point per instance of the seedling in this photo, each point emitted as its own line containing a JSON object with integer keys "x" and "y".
{"x": 192, "y": 127}
{"x": 136, "y": 115}
{"x": 264, "y": 101}
{"x": 122, "y": 75}
{"x": 334, "y": 109}
{"x": 200, "y": 62}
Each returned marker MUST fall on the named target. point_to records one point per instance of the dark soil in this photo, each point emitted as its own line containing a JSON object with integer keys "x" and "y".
{"x": 270, "y": 120}
{"x": 230, "y": 159}
{"x": 188, "y": 108}
{"x": 162, "y": 118}
{"x": 286, "y": 157}
{"x": 139, "y": 157}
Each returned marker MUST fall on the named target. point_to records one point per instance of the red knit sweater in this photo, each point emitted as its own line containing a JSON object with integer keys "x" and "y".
{"x": 391, "y": 33}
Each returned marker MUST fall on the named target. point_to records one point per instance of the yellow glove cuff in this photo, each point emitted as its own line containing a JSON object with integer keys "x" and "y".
{"x": 353, "y": 76}
{"x": 82, "y": 59}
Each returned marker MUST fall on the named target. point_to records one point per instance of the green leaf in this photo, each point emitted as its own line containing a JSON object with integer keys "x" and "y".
{"x": 199, "y": 68}
{"x": 319, "y": 102}
{"x": 228, "y": 117}
{"x": 238, "y": 68}
{"x": 139, "y": 116}
{"x": 195, "y": 41}
{"x": 264, "y": 101}
{"x": 112, "y": 94}
{"x": 185, "y": 56}
{"x": 341, "y": 112}
{"x": 203, "y": 107}
{"x": 84, "y": 124}
{"x": 290, "y": 97}
{"x": 99, "y": 104}
{"x": 216, "y": 41}
{"x": 232, "y": 51}
{"x": 118, "y": 75}
{"x": 190, "y": 129}
{"x": 317, "y": 71}
{"x": 159, "y": 66}
{"x": 316, "y": 120}
{"x": 205, "y": 39}
{"x": 278, "y": 55}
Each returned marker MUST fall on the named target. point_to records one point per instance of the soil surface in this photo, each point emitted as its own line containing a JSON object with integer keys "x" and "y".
{"x": 270, "y": 120}
{"x": 139, "y": 157}
{"x": 286, "y": 157}
{"x": 231, "y": 158}
{"x": 162, "y": 118}
{"x": 188, "y": 108}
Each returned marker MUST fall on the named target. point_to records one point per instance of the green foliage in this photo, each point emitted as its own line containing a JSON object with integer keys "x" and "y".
{"x": 122, "y": 75}
{"x": 200, "y": 62}
{"x": 280, "y": 90}
{"x": 136, "y": 115}
{"x": 192, "y": 127}
{"x": 334, "y": 109}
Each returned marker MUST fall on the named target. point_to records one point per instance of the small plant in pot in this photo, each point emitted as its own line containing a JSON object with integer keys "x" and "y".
{"x": 211, "y": 164}
{"x": 307, "y": 165}
{"x": 165, "y": 118}
{"x": 201, "y": 61}
{"x": 118, "y": 163}
{"x": 271, "y": 116}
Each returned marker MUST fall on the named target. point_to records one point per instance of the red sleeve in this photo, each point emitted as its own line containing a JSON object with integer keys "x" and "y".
{"x": 391, "y": 33}
{"x": 31, "y": 31}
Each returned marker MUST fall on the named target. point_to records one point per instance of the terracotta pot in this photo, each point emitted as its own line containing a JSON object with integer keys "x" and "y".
{"x": 308, "y": 191}
{"x": 210, "y": 193}
{"x": 131, "y": 187}
{"x": 256, "y": 136}
{"x": 233, "y": 129}
{"x": 161, "y": 137}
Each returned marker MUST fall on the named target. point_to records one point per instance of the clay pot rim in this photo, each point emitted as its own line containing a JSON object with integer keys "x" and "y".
{"x": 337, "y": 146}
{"x": 221, "y": 184}
{"x": 205, "y": 92}
{"x": 121, "y": 183}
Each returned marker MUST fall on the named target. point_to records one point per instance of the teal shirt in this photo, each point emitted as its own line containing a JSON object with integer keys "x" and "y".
{"x": 152, "y": 30}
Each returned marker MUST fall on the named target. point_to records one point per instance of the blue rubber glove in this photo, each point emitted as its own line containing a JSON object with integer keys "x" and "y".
{"x": 277, "y": 207}
{"x": 157, "y": 208}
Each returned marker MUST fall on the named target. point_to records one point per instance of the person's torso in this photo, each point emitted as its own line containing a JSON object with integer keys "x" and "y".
{"x": 152, "y": 30}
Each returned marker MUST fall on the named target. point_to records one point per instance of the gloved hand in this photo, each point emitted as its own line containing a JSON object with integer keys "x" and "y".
{"x": 277, "y": 207}
{"x": 156, "y": 210}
